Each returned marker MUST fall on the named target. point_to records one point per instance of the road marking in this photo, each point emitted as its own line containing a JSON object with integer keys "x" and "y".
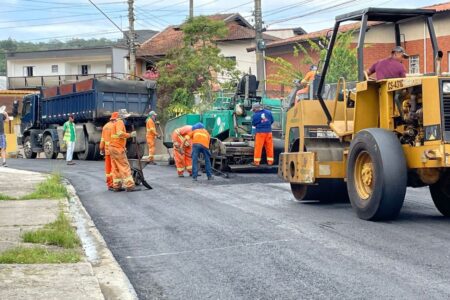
{"x": 211, "y": 249}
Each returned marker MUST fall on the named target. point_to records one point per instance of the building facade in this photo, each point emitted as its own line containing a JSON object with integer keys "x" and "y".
{"x": 380, "y": 40}
{"x": 53, "y": 67}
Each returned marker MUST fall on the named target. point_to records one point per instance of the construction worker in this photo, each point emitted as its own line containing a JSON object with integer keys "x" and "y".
{"x": 104, "y": 149}
{"x": 182, "y": 149}
{"x": 120, "y": 167}
{"x": 390, "y": 67}
{"x": 262, "y": 120}
{"x": 306, "y": 82}
{"x": 70, "y": 137}
{"x": 200, "y": 144}
{"x": 151, "y": 135}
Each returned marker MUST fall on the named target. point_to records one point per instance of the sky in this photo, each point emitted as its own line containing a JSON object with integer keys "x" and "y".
{"x": 42, "y": 20}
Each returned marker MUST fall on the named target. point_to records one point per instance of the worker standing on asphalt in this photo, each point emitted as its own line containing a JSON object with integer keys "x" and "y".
{"x": 70, "y": 137}
{"x": 200, "y": 144}
{"x": 104, "y": 149}
{"x": 262, "y": 123}
{"x": 152, "y": 134}
{"x": 182, "y": 149}
{"x": 120, "y": 166}
{"x": 3, "y": 118}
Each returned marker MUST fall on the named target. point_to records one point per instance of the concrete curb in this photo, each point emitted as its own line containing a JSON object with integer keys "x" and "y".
{"x": 113, "y": 282}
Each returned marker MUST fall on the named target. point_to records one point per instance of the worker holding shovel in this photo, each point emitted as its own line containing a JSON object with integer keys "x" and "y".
{"x": 182, "y": 149}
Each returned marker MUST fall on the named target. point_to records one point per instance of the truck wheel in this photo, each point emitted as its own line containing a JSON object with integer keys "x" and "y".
{"x": 321, "y": 191}
{"x": 376, "y": 174}
{"x": 440, "y": 193}
{"x": 28, "y": 152}
{"x": 88, "y": 152}
{"x": 50, "y": 147}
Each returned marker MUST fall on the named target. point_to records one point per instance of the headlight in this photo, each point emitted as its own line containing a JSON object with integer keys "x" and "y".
{"x": 446, "y": 87}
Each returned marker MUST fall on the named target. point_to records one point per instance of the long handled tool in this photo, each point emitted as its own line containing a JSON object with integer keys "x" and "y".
{"x": 141, "y": 173}
{"x": 168, "y": 152}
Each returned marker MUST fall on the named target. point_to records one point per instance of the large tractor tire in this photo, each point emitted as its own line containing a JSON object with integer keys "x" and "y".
{"x": 376, "y": 174}
{"x": 440, "y": 193}
{"x": 50, "y": 150}
{"x": 325, "y": 191}
{"x": 28, "y": 152}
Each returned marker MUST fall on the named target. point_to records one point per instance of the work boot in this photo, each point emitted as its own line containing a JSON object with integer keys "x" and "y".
{"x": 180, "y": 175}
{"x": 70, "y": 163}
{"x": 253, "y": 164}
{"x": 133, "y": 189}
{"x": 210, "y": 178}
{"x": 110, "y": 188}
{"x": 4, "y": 164}
{"x": 194, "y": 179}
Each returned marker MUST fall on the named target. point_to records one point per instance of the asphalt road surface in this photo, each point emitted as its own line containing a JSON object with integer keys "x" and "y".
{"x": 246, "y": 238}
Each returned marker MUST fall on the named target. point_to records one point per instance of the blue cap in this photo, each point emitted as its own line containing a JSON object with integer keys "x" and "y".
{"x": 199, "y": 125}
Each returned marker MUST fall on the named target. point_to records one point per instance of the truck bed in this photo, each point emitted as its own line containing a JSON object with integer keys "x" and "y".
{"x": 95, "y": 99}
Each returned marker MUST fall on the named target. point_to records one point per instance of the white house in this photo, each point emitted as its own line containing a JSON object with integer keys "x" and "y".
{"x": 53, "y": 67}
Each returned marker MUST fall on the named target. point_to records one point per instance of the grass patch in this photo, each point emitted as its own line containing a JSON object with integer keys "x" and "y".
{"x": 36, "y": 255}
{"x": 59, "y": 233}
{"x": 6, "y": 197}
{"x": 51, "y": 188}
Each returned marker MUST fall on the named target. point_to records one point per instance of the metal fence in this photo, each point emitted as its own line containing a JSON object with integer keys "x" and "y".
{"x": 34, "y": 82}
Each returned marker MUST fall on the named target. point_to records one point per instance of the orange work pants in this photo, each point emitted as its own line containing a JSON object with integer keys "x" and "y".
{"x": 263, "y": 139}
{"x": 120, "y": 168}
{"x": 108, "y": 171}
{"x": 183, "y": 161}
{"x": 151, "y": 147}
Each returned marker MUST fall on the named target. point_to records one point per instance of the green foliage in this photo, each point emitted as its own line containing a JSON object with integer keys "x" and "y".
{"x": 193, "y": 67}
{"x": 11, "y": 45}
{"x": 6, "y": 197}
{"x": 343, "y": 62}
{"x": 52, "y": 188}
{"x": 38, "y": 255}
{"x": 59, "y": 233}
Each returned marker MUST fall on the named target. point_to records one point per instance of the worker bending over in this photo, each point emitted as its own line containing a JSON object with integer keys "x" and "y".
{"x": 262, "y": 124}
{"x": 200, "y": 144}
{"x": 152, "y": 134}
{"x": 121, "y": 168}
{"x": 390, "y": 67}
{"x": 104, "y": 149}
{"x": 182, "y": 149}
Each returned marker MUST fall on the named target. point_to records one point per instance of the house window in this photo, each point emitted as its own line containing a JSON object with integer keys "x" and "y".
{"x": 232, "y": 58}
{"x": 28, "y": 71}
{"x": 414, "y": 66}
{"x": 84, "y": 69}
{"x": 54, "y": 68}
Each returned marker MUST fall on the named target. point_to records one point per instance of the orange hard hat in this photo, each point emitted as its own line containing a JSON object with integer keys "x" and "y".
{"x": 114, "y": 115}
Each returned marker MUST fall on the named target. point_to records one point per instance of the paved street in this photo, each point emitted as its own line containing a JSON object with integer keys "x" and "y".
{"x": 245, "y": 238}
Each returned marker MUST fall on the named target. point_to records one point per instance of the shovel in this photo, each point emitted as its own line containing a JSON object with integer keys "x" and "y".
{"x": 141, "y": 173}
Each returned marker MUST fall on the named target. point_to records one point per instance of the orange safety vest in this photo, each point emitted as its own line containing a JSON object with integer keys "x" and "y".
{"x": 119, "y": 135}
{"x": 106, "y": 137}
{"x": 200, "y": 136}
{"x": 180, "y": 135}
{"x": 151, "y": 128}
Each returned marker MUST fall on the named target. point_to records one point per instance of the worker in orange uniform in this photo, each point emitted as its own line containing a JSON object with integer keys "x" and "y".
{"x": 151, "y": 135}
{"x": 200, "y": 144}
{"x": 306, "y": 82}
{"x": 182, "y": 149}
{"x": 121, "y": 168}
{"x": 262, "y": 120}
{"x": 104, "y": 149}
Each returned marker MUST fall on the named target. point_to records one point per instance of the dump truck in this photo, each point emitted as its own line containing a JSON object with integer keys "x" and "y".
{"x": 373, "y": 141}
{"x": 91, "y": 102}
{"x": 230, "y": 124}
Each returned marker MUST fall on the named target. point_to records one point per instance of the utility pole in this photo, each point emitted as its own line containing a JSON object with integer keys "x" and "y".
{"x": 131, "y": 36}
{"x": 191, "y": 9}
{"x": 260, "y": 46}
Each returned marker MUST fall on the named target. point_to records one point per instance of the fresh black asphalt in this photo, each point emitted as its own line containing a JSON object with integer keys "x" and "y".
{"x": 246, "y": 238}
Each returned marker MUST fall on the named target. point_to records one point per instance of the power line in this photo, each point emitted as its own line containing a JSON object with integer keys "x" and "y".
{"x": 311, "y": 12}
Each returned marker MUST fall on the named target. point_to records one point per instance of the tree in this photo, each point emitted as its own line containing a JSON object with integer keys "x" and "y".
{"x": 193, "y": 67}
{"x": 343, "y": 62}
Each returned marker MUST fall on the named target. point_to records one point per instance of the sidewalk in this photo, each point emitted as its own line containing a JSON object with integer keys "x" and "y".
{"x": 95, "y": 276}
